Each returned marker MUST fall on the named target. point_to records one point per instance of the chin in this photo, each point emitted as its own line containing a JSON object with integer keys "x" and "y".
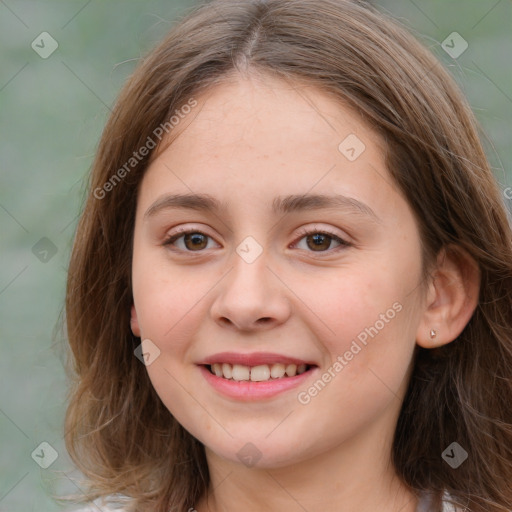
{"x": 256, "y": 452}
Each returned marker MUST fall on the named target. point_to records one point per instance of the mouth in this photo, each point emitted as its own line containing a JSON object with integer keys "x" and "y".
{"x": 258, "y": 373}
{"x": 256, "y": 376}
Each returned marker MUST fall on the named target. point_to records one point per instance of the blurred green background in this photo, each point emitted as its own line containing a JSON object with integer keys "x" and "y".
{"x": 52, "y": 111}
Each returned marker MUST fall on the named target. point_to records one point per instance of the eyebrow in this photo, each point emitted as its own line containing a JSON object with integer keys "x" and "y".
{"x": 280, "y": 205}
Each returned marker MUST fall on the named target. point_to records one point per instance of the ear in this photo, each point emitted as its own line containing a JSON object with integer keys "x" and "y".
{"x": 452, "y": 297}
{"x": 134, "y": 322}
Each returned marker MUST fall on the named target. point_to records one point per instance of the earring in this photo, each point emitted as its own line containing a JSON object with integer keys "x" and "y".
{"x": 433, "y": 333}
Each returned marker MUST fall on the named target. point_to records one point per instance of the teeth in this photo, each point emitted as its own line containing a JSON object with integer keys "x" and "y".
{"x": 277, "y": 371}
{"x": 291, "y": 370}
{"x": 240, "y": 372}
{"x": 258, "y": 373}
{"x": 217, "y": 369}
{"x": 227, "y": 370}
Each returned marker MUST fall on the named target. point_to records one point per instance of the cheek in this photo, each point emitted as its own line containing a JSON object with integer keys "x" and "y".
{"x": 366, "y": 320}
{"x": 169, "y": 308}
{"x": 168, "y": 303}
{"x": 347, "y": 303}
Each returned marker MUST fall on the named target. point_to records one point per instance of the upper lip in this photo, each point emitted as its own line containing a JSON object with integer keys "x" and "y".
{"x": 254, "y": 359}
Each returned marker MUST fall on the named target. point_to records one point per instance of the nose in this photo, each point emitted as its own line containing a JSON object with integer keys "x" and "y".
{"x": 252, "y": 297}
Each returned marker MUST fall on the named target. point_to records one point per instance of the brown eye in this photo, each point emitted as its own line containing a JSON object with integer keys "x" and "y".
{"x": 196, "y": 241}
{"x": 319, "y": 241}
{"x": 193, "y": 241}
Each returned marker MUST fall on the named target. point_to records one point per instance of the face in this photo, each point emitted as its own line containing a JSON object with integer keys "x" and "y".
{"x": 245, "y": 283}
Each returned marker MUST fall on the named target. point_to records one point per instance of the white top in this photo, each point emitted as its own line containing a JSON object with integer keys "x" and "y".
{"x": 116, "y": 504}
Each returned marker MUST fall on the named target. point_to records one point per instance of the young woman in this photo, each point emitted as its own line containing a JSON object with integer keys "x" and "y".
{"x": 290, "y": 284}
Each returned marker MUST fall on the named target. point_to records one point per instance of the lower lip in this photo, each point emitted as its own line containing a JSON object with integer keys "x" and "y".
{"x": 249, "y": 390}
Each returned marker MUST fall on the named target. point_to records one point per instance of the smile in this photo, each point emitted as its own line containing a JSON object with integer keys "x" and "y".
{"x": 257, "y": 376}
{"x": 259, "y": 373}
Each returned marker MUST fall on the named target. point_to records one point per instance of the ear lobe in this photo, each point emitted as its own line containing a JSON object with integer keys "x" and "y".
{"x": 134, "y": 322}
{"x": 451, "y": 299}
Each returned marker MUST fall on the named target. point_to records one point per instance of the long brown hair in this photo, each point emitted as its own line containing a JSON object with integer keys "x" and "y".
{"x": 119, "y": 433}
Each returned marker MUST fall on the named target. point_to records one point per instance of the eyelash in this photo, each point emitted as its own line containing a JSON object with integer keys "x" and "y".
{"x": 303, "y": 233}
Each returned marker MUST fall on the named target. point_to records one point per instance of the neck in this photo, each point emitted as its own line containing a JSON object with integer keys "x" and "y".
{"x": 352, "y": 476}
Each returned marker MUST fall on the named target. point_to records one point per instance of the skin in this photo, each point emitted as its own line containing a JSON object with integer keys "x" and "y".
{"x": 249, "y": 140}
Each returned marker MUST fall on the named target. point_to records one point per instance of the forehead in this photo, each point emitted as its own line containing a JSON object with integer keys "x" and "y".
{"x": 260, "y": 112}
{"x": 263, "y": 136}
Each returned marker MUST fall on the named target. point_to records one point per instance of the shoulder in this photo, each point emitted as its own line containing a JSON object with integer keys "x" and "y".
{"x": 114, "y": 503}
{"x": 449, "y": 506}
{"x": 92, "y": 507}
{"x": 426, "y": 503}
